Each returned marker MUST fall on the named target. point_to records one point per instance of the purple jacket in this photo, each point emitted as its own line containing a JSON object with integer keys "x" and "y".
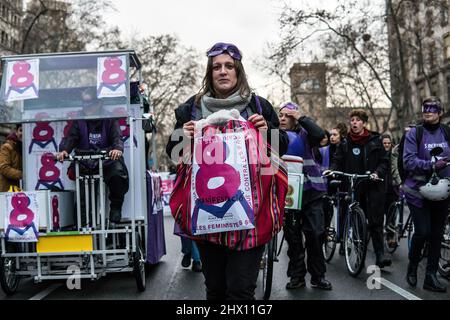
{"x": 417, "y": 161}
{"x": 311, "y": 168}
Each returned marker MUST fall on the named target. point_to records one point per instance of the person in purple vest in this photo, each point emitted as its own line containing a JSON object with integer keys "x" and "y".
{"x": 428, "y": 216}
{"x": 304, "y": 135}
{"x": 104, "y": 134}
{"x": 360, "y": 153}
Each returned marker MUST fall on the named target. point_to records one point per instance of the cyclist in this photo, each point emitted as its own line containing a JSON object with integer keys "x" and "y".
{"x": 428, "y": 216}
{"x": 304, "y": 135}
{"x": 97, "y": 135}
{"x": 363, "y": 151}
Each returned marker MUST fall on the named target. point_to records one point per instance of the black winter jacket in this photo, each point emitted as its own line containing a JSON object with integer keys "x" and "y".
{"x": 375, "y": 157}
{"x": 183, "y": 114}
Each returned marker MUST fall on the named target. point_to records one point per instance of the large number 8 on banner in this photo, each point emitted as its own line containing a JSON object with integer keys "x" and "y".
{"x": 219, "y": 171}
{"x": 113, "y": 73}
{"x": 20, "y": 203}
{"x": 22, "y": 78}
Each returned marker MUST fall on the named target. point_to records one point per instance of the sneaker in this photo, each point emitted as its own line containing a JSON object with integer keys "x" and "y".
{"x": 382, "y": 261}
{"x": 296, "y": 283}
{"x": 186, "y": 261}
{"x": 196, "y": 266}
{"x": 321, "y": 283}
{"x": 432, "y": 283}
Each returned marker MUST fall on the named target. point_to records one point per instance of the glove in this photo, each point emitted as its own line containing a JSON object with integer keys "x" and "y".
{"x": 326, "y": 173}
{"x": 441, "y": 163}
{"x": 374, "y": 176}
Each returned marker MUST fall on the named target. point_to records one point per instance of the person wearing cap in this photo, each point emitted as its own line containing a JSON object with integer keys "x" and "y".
{"x": 229, "y": 273}
{"x": 305, "y": 136}
{"x": 96, "y": 135}
{"x": 428, "y": 216}
{"x": 360, "y": 153}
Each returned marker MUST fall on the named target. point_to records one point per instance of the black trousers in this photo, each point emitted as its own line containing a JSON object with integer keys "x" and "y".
{"x": 230, "y": 274}
{"x": 372, "y": 202}
{"x": 429, "y": 224}
{"x": 310, "y": 222}
{"x": 115, "y": 175}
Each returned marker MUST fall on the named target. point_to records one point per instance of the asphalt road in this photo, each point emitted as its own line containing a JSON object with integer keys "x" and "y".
{"x": 169, "y": 281}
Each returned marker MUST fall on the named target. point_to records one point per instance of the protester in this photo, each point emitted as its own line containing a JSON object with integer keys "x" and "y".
{"x": 363, "y": 152}
{"x": 428, "y": 215}
{"x": 96, "y": 135}
{"x": 304, "y": 136}
{"x": 230, "y": 268}
{"x": 11, "y": 160}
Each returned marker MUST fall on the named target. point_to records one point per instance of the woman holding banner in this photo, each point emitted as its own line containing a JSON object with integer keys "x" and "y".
{"x": 231, "y": 248}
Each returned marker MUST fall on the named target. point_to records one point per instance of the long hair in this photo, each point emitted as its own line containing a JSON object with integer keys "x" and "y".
{"x": 207, "y": 84}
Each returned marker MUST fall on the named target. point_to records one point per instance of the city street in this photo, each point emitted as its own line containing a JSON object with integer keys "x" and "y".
{"x": 169, "y": 281}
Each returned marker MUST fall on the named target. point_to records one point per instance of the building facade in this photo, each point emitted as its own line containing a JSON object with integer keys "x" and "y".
{"x": 11, "y": 18}
{"x": 11, "y": 15}
{"x": 309, "y": 91}
{"x": 419, "y": 46}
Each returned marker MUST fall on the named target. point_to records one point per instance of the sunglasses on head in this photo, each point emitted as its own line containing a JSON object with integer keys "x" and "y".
{"x": 220, "y": 48}
{"x": 290, "y": 106}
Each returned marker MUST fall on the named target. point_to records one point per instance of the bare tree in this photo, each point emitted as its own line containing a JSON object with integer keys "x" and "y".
{"x": 172, "y": 74}
{"x": 360, "y": 47}
{"x": 57, "y": 26}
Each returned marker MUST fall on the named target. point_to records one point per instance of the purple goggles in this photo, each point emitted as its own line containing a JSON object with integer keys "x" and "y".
{"x": 290, "y": 106}
{"x": 431, "y": 107}
{"x": 221, "y": 47}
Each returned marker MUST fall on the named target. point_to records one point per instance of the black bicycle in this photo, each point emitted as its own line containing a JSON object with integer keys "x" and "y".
{"x": 395, "y": 228}
{"x": 444, "y": 260}
{"x": 269, "y": 257}
{"x": 355, "y": 235}
{"x": 333, "y": 232}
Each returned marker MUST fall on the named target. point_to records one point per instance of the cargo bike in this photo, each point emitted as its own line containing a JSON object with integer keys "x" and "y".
{"x": 47, "y": 233}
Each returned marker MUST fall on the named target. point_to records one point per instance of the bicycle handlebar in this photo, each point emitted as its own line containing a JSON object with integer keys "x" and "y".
{"x": 352, "y": 175}
{"x": 87, "y": 155}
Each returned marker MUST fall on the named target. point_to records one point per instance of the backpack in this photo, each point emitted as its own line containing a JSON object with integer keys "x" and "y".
{"x": 401, "y": 146}
{"x": 268, "y": 193}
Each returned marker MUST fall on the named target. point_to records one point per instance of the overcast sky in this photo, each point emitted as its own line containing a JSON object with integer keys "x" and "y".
{"x": 200, "y": 23}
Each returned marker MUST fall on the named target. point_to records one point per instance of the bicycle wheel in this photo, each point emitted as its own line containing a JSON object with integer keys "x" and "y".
{"x": 267, "y": 261}
{"x": 444, "y": 260}
{"x": 139, "y": 265}
{"x": 329, "y": 244}
{"x": 355, "y": 245}
{"x": 9, "y": 280}
{"x": 391, "y": 236}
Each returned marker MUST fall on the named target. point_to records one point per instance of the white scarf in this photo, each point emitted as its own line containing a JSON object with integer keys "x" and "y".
{"x": 210, "y": 105}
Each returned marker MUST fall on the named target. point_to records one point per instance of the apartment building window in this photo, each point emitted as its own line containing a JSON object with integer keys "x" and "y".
{"x": 444, "y": 13}
{"x": 432, "y": 55}
{"x": 448, "y": 88}
{"x": 434, "y": 87}
{"x": 429, "y": 23}
{"x": 447, "y": 46}
{"x": 421, "y": 92}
